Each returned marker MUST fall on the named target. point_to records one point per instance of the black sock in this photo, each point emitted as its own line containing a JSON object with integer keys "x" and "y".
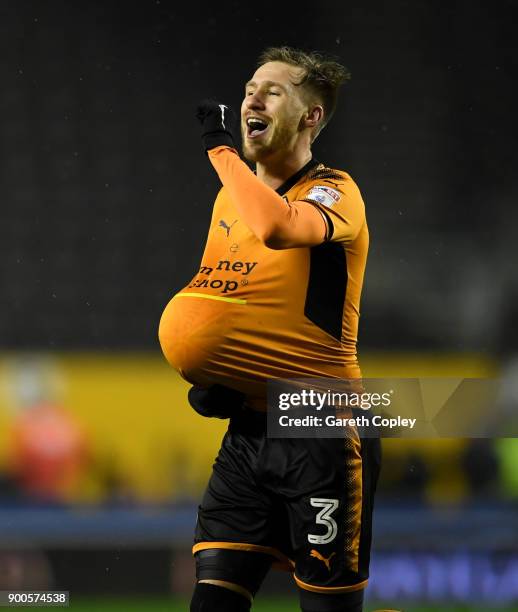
{"x": 343, "y": 602}
{"x": 213, "y": 598}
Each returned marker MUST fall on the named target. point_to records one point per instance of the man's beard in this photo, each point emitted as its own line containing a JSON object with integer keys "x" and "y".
{"x": 277, "y": 143}
{"x": 256, "y": 152}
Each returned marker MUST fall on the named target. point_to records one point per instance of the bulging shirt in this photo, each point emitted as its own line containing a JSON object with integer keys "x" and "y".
{"x": 251, "y": 313}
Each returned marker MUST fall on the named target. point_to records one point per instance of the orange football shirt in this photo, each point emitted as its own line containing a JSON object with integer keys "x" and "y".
{"x": 252, "y": 313}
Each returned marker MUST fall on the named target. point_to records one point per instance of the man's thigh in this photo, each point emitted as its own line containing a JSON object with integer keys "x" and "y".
{"x": 236, "y": 512}
{"x": 330, "y": 514}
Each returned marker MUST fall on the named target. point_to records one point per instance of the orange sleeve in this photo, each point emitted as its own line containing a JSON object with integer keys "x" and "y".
{"x": 341, "y": 203}
{"x": 274, "y": 221}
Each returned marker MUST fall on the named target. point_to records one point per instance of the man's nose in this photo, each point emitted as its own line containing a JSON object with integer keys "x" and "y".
{"x": 254, "y": 101}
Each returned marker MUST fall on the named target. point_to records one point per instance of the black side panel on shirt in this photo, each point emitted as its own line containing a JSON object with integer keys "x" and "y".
{"x": 327, "y": 285}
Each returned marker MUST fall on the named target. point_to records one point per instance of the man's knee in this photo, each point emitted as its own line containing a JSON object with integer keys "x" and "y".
{"x": 322, "y": 602}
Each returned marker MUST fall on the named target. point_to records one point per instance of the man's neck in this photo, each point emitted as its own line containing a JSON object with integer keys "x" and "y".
{"x": 275, "y": 174}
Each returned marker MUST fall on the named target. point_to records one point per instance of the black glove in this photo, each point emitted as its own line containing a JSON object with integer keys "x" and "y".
{"x": 216, "y": 401}
{"x": 217, "y": 124}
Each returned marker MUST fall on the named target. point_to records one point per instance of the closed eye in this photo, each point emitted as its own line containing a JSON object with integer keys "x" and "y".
{"x": 270, "y": 93}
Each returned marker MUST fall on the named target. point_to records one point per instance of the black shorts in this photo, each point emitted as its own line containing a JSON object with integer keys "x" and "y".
{"x": 306, "y": 502}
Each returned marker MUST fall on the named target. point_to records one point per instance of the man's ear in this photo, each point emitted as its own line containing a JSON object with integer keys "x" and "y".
{"x": 314, "y": 116}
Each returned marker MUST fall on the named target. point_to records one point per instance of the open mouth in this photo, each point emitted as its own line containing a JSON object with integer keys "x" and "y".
{"x": 255, "y": 127}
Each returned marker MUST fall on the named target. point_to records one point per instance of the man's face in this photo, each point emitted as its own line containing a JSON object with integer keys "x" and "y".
{"x": 276, "y": 104}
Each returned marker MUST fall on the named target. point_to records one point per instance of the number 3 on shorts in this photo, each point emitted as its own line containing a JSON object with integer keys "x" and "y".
{"x": 324, "y": 518}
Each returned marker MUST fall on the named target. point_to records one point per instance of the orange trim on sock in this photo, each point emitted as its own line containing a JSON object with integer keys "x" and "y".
{"x": 330, "y": 590}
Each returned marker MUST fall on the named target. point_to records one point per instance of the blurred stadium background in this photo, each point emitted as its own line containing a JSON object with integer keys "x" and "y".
{"x": 106, "y": 199}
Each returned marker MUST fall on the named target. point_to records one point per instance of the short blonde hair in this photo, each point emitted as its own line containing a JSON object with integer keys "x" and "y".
{"x": 323, "y": 75}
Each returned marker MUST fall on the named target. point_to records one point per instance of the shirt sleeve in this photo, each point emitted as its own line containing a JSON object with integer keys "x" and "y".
{"x": 263, "y": 210}
{"x": 341, "y": 204}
